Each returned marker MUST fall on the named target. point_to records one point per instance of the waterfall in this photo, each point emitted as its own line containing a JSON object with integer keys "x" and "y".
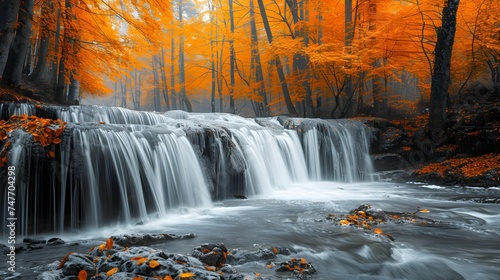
{"x": 121, "y": 166}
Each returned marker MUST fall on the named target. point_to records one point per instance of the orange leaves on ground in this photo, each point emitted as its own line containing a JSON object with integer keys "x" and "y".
{"x": 82, "y": 275}
{"x": 463, "y": 167}
{"x": 44, "y": 131}
{"x": 153, "y": 263}
{"x": 378, "y": 231}
{"x": 112, "y": 271}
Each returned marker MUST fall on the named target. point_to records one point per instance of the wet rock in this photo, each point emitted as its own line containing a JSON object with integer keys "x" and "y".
{"x": 387, "y": 162}
{"x": 76, "y": 262}
{"x": 300, "y": 268}
{"x": 50, "y": 275}
{"x": 211, "y": 254}
{"x": 34, "y": 240}
{"x": 239, "y": 256}
{"x": 129, "y": 240}
{"x": 55, "y": 241}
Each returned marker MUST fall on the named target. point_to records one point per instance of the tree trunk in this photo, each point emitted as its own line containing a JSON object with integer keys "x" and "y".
{"x": 163, "y": 74}
{"x": 41, "y": 65}
{"x": 442, "y": 63}
{"x": 300, "y": 59}
{"x": 262, "y": 106}
{"x": 182, "y": 74}
{"x": 9, "y": 11}
{"x": 156, "y": 84}
{"x": 13, "y": 71}
{"x": 277, "y": 61}
{"x": 172, "y": 73}
{"x": 54, "y": 71}
{"x": 232, "y": 59}
{"x": 74, "y": 89}
{"x": 123, "y": 89}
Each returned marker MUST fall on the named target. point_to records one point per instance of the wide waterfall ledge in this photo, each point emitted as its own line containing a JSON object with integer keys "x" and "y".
{"x": 115, "y": 165}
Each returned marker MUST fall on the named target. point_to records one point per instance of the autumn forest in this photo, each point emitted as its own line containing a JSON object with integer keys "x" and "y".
{"x": 309, "y": 58}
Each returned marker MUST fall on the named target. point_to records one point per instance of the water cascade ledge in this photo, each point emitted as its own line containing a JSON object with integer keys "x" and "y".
{"x": 120, "y": 166}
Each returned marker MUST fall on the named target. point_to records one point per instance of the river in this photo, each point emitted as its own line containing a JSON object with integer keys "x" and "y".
{"x": 464, "y": 244}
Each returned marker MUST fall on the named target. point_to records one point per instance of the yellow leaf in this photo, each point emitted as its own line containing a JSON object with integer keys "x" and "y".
{"x": 154, "y": 263}
{"x": 142, "y": 260}
{"x": 344, "y": 222}
{"x": 186, "y": 275}
{"x": 424, "y": 211}
{"x": 112, "y": 271}
{"x": 303, "y": 261}
{"x": 377, "y": 231}
{"x": 102, "y": 247}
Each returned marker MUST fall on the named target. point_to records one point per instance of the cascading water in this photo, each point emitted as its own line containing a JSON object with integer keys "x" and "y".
{"x": 120, "y": 166}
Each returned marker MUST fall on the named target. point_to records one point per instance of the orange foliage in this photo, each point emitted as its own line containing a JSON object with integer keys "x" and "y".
{"x": 468, "y": 167}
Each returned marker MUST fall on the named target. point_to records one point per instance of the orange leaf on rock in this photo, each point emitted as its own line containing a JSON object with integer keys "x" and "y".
{"x": 186, "y": 275}
{"x": 112, "y": 271}
{"x": 154, "y": 263}
{"x": 109, "y": 243}
{"x": 82, "y": 275}
{"x": 377, "y": 231}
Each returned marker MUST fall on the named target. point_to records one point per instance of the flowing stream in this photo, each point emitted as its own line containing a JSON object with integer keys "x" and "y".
{"x": 177, "y": 173}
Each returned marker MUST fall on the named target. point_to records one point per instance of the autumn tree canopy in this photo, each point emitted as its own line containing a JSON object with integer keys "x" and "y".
{"x": 263, "y": 57}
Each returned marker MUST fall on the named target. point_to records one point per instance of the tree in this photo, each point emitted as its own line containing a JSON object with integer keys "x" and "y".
{"x": 18, "y": 49}
{"x": 442, "y": 63}
{"x": 9, "y": 11}
{"x": 277, "y": 61}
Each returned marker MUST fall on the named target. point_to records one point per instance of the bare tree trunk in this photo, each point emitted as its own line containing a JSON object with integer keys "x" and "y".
{"x": 182, "y": 74}
{"x": 232, "y": 59}
{"x": 13, "y": 71}
{"x": 277, "y": 61}
{"x": 123, "y": 89}
{"x": 442, "y": 63}
{"x": 9, "y": 11}
{"x": 156, "y": 84}
{"x": 54, "y": 70}
{"x": 164, "y": 87}
{"x": 262, "y": 107}
{"x": 172, "y": 74}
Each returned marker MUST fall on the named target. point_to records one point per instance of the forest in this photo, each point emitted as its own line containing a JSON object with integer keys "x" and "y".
{"x": 309, "y": 58}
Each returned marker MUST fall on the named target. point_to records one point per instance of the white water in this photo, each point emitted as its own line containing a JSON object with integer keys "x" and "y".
{"x": 120, "y": 166}
{"x": 463, "y": 245}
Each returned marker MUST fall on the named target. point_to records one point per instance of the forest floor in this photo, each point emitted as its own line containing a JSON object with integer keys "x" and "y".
{"x": 469, "y": 153}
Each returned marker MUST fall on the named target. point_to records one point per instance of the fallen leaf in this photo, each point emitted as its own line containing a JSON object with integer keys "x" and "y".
{"x": 82, "y": 275}
{"x": 153, "y": 263}
{"x": 112, "y": 271}
{"x": 377, "y": 231}
{"x": 109, "y": 244}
